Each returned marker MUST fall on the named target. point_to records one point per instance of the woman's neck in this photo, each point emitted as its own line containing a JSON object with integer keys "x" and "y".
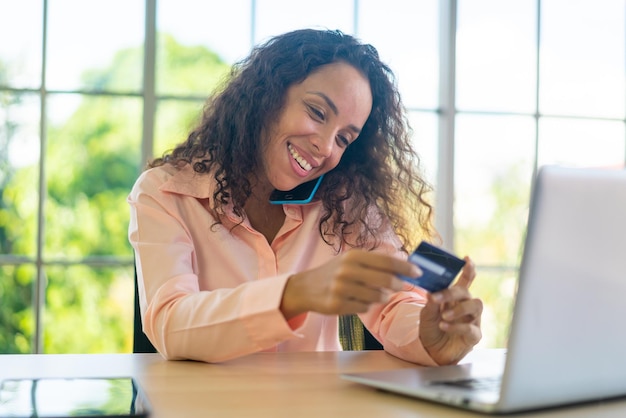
{"x": 264, "y": 216}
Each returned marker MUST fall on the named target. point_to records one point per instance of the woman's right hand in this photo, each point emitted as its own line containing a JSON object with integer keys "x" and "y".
{"x": 348, "y": 284}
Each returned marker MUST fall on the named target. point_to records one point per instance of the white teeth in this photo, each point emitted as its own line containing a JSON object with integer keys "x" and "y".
{"x": 301, "y": 161}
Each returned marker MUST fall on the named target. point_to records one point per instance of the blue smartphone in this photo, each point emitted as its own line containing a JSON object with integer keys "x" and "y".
{"x": 438, "y": 266}
{"x": 300, "y": 195}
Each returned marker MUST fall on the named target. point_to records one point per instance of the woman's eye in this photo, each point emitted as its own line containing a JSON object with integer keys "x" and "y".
{"x": 343, "y": 140}
{"x": 316, "y": 112}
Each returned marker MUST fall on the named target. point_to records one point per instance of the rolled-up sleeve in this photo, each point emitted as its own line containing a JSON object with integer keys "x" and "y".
{"x": 396, "y": 325}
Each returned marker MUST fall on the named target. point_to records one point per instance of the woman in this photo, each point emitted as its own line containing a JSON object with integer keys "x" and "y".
{"x": 223, "y": 272}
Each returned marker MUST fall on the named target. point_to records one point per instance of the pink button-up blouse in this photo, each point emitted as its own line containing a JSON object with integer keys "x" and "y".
{"x": 212, "y": 292}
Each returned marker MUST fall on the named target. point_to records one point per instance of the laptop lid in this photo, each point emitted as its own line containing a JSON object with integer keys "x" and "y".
{"x": 567, "y": 339}
{"x": 566, "y": 343}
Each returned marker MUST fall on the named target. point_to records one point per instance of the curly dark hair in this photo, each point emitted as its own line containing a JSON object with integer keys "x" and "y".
{"x": 379, "y": 172}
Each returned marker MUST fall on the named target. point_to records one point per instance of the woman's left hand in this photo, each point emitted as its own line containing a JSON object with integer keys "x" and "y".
{"x": 450, "y": 321}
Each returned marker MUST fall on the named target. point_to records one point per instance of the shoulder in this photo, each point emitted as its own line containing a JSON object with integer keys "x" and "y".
{"x": 367, "y": 226}
{"x": 152, "y": 179}
{"x": 168, "y": 179}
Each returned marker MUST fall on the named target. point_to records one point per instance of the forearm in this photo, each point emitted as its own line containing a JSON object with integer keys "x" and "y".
{"x": 214, "y": 326}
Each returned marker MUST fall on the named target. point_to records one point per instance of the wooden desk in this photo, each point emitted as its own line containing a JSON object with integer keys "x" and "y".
{"x": 298, "y": 385}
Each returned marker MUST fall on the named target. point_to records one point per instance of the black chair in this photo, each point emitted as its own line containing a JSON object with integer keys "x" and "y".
{"x": 141, "y": 343}
{"x": 352, "y": 334}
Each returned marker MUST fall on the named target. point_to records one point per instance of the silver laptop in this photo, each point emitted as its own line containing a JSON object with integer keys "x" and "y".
{"x": 567, "y": 340}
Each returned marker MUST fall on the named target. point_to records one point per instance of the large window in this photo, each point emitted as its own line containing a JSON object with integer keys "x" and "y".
{"x": 90, "y": 90}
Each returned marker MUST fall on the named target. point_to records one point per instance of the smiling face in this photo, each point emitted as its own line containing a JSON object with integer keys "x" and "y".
{"x": 321, "y": 117}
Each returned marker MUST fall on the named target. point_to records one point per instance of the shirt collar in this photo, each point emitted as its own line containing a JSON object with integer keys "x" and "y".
{"x": 186, "y": 181}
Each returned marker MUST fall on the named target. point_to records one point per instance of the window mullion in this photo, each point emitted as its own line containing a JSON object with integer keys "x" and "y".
{"x": 39, "y": 292}
{"x": 444, "y": 220}
{"x": 149, "y": 76}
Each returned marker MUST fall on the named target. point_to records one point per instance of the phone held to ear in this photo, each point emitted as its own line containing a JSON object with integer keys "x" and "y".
{"x": 439, "y": 267}
{"x": 301, "y": 195}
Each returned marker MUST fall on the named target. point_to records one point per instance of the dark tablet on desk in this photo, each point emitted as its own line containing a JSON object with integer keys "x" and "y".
{"x": 77, "y": 397}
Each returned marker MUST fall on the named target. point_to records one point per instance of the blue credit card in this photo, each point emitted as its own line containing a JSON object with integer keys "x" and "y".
{"x": 438, "y": 266}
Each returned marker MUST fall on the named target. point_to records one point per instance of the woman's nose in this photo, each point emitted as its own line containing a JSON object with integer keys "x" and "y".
{"x": 324, "y": 144}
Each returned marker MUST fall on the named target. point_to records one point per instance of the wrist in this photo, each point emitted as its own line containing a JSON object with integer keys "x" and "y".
{"x": 291, "y": 304}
